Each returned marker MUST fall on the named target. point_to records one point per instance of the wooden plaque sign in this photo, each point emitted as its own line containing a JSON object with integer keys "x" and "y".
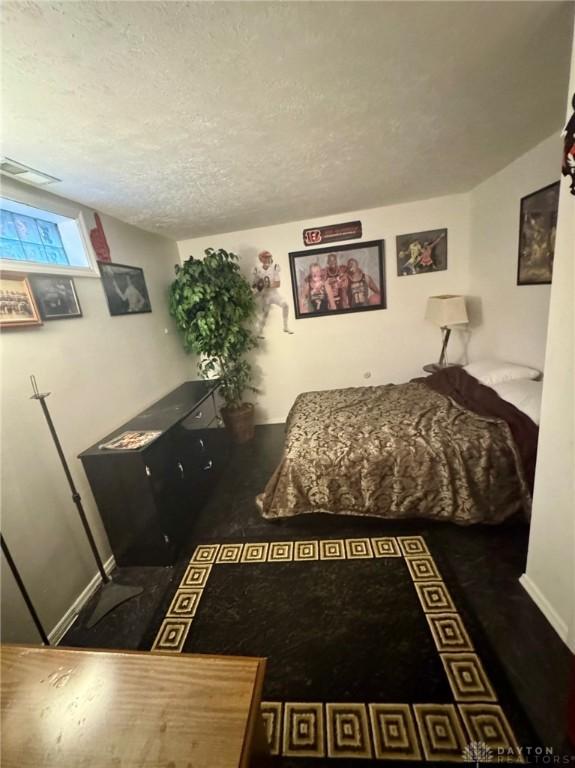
{"x": 331, "y": 233}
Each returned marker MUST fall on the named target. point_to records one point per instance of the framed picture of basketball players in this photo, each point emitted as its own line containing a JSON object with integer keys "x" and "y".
{"x": 338, "y": 280}
{"x": 421, "y": 252}
{"x": 537, "y": 226}
{"x": 18, "y": 308}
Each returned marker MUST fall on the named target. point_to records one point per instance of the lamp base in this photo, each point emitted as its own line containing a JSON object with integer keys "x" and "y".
{"x": 446, "y": 332}
{"x": 111, "y": 596}
{"x": 435, "y": 367}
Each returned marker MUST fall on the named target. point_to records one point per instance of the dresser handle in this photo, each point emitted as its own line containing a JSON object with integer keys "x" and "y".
{"x": 209, "y": 465}
{"x": 166, "y": 538}
{"x": 148, "y": 471}
{"x": 198, "y": 415}
{"x": 201, "y": 444}
{"x": 180, "y": 466}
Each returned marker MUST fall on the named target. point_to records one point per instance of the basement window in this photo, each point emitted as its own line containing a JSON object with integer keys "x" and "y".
{"x": 38, "y": 240}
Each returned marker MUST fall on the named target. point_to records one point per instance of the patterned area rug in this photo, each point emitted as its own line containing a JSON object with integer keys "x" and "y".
{"x": 369, "y": 655}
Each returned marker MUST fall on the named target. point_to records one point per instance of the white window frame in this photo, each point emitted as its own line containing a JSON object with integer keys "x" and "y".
{"x": 33, "y": 199}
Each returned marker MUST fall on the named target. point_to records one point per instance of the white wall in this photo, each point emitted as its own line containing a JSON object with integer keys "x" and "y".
{"x": 550, "y": 574}
{"x": 101, "y": 370}
{"x": 513, "y": 318}
{"x": 338, "y": 351}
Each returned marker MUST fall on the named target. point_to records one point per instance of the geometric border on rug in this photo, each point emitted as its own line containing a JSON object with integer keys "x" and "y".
{"x": 377, "y": 730}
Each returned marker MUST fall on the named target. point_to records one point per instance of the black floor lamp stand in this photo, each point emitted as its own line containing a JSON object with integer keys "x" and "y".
{"x": 111, "y": 595}
{"x": 24, "y": 591}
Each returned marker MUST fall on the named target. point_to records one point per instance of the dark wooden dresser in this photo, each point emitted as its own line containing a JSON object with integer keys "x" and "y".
{"x": 148, "y": 497}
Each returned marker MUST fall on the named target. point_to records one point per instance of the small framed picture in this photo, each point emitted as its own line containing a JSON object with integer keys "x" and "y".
{"x": 17, "y": 306}
{"x": 56, "y": 296}
{"x": 422, "y": 252}
{"x": 125, "y": 289}
{"x": 340, "y": 280}
{"x": 537, "y": 227}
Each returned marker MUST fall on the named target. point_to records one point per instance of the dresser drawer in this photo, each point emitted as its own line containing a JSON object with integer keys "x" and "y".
{"x": 201, "y": 417}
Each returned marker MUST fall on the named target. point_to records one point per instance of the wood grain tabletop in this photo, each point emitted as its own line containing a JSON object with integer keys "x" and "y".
{"x": 101, "y": 709}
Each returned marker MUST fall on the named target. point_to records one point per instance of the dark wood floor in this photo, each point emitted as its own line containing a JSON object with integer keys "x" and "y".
{"x": 486, "y": 562}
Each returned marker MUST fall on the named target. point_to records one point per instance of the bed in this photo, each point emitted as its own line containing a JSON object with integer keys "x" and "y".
{"x": 445, "y": 447}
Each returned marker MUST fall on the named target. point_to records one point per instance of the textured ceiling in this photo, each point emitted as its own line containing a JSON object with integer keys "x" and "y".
{"x": 198, "y": 118}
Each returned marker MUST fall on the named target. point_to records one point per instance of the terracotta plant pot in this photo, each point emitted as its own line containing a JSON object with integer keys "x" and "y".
{"x": 239, "y": 422}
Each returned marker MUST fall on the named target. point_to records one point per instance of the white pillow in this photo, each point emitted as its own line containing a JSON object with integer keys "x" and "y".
{"x": 524, "y": 395}
{"x": 491, "y": 372}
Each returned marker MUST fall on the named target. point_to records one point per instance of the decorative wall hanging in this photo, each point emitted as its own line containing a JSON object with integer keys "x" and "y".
{"x": 568, "y": 166}
{"x": 125, "y": 289}
{"x": 332, "y": 233}
{"x": 422, "y": 252}
{"x": 99, "y": 242}
{"x": 266, "y": 281}
{"x": 331, "y": 282}
{"x": 537, "y": 228}
{"x": 56, "y": 296}
{"x": 17, "y": 306}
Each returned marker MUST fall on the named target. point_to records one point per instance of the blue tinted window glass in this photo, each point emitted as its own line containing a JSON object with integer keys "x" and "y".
{"x": 7, "y": 226}
{"x": 11, "y": 249}
{"x": 49, "y": 233}
{"x": 26, "y": 229}
{"x": 34, "y": 252}
{"x": 56, "y": 255}
{"x": 34, "y": 239}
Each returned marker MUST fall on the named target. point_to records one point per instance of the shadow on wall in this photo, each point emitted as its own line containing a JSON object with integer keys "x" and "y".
{"x": 261, "y": 414}
{"x": 475, "y": 320}
{"x": 474, "y": 311}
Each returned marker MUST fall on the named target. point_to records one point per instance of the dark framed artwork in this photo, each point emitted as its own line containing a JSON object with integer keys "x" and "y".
{"x": 56, "y": 296}
{"x": 421, "y": 252}
{"x": 335, "y": 281}
{"x": 537, "y": 227}
{"x": 17, "y": 306}
{"x": 125, "y": 289}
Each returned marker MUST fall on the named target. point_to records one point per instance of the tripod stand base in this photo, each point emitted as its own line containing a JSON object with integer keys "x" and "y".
{"x": 111, "y": 596}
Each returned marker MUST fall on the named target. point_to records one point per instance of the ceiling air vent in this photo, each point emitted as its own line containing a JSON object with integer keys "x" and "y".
{"x": 24, "y": 173}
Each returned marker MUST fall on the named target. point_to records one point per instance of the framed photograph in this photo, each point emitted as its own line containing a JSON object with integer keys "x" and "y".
{"x": 125, "y": 289}
{"x": 17, "y": 306}
{"x": 56, "y": 296}
{"x": 334, "y": 281}
{"x": 537, "y": 227}
{"x": 422, "y": 252}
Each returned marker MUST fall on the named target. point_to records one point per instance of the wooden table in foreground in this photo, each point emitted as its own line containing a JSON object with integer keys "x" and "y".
{"x": 96, "y": 709}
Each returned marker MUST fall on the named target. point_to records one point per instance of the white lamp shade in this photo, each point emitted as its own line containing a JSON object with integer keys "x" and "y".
{"x": 446, "y": 310}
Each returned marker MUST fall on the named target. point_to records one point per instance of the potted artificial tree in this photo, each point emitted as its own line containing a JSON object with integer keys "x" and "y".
{"x": 212, "y": 304}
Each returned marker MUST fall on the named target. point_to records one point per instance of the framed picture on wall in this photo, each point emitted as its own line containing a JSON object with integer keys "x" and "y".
{"x": 421, "y": 252}
{"x": 125, "y": 289}
{"x": 17, "y": 306}
{"x": 335, "y": 281}
{"x": 537, "y": 227}
{"x": 56, "y": 296}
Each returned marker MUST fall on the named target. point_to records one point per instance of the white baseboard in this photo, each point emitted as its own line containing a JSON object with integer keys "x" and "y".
{"x": 545, "y": 607}
{"x": 58, "y": 632}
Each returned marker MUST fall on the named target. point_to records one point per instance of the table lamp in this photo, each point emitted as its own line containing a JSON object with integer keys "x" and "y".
{"x": 446, "y": 311}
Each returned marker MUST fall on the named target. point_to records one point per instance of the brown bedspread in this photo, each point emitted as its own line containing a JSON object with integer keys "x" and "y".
{"x": 399, "y": 451}
{"x": 471, "y": 394}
